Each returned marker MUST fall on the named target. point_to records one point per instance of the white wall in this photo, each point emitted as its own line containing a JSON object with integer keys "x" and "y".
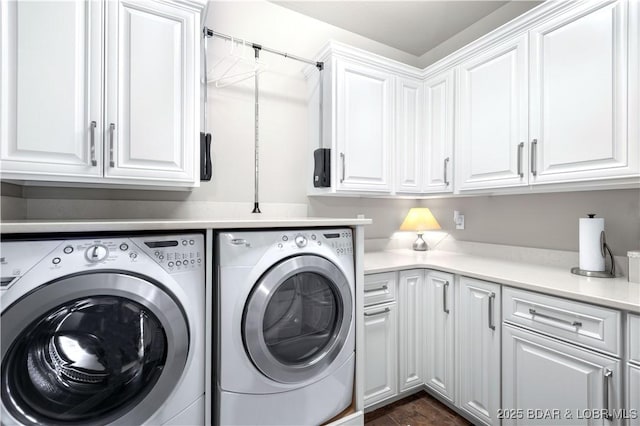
{"x": 283, "y": 100}
{"x": 490, "y": 22}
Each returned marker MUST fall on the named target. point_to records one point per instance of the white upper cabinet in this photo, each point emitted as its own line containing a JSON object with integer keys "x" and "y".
{"x": 364, "y": 131}
{"x": 100, "y": 92}
{"x": 438, "y": 140}
{"x": 492, "y": 117}
{"x": 152, "y": 89}
{"x": 579, "y": 94}
{"x": 51, "y": 88}
{"x": 410, "y": 167}
{"x": 424, "y": 134}
{"x": 549, "y": 101}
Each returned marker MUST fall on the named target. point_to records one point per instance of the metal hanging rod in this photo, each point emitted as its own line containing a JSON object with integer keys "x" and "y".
{"x": 210, "y": 33}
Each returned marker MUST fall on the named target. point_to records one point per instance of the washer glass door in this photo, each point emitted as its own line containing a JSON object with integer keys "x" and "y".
{"x": 297, "y": 318}
{"x": 89, "y": 359}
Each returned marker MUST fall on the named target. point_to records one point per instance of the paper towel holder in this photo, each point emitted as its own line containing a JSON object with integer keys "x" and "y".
{"x": 604, "y": 248}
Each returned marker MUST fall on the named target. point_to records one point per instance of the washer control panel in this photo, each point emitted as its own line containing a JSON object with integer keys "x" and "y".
{"x": 178, "y": 254}
{"x": 173, "y": 253}
{"x": 340, "y": 240}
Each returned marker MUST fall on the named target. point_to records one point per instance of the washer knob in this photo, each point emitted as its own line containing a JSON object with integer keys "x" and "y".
{"x": 301, "y": 241}
{"x": 96, "y": 253}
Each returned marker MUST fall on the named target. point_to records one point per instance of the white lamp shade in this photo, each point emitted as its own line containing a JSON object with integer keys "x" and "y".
{"x": 419, "y": 219}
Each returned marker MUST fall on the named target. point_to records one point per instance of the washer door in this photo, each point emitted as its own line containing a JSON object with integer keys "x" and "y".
{"x": 297, "y": 318}
{"x": 103, "y": 347}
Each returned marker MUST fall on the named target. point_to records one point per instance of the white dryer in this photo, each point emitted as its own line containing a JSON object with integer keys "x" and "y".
{"x": 103, "y": 330}
{"x": 285, "y": 306}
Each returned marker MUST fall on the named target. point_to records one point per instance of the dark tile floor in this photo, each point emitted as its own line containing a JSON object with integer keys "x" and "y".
{"x": 420, "y": 409}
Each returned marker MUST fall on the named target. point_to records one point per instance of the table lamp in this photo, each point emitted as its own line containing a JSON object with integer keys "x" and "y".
{"x": 419, "y": 220}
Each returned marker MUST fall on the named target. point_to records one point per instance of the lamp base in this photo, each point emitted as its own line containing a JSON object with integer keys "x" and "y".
{"x": 420, "y": 244}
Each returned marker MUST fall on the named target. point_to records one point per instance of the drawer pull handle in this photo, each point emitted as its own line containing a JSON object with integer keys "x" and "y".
{"x": 446, "y": 180}
{"x": 92, "y": 145}
{"x": 444, "y": 297}
{"x": 492, "y": 298}
{"x": 520, "y": 149}
{"x": 534, "y": 157}
{"x": 608, "y": 374}
{"x": 112, "y": 130}
{"x": 383, "y": 288}
{"x": 371, "y": 314}
{"x": 538, "y": 314}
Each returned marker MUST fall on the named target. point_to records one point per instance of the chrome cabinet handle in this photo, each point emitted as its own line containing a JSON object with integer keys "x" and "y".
{"x": 533, "y": 312}
{"x": 92, "y": 138}
{"x": 112, "y": 130}
{"x": 520, "y": 149}
{"x": 446, "y": 181}
{"x": 608, "y": 374}
{"x": 343, "y": 166}
{"x": 371, "y": 314}
{"x": 534, "y": 157}
{"x": 492, "y": 298}
{"x": 383, "y": 288}
{"x": 444, "y": 297}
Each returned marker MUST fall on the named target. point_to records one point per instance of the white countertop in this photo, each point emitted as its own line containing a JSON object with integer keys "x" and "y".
{"x": 43, "y": 226}
{"x": 612, "y": 292}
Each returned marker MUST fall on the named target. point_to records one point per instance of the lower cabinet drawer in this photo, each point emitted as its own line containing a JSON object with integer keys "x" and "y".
{"x": 380, "y": 288}
{"x": 581, "y": 323}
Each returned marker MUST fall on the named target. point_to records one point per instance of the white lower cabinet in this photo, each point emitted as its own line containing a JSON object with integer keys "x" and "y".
{"x": 410, "y": 285}
{"x": 479, "y": 331}
{"x": 633, "y": 394}
{"x": 380, "y": 324}
{"x": 438, "y": 321}
{"x": 547, "y": 381}
{"x": 633, "y": 369}
{"x": 499, "y": 355}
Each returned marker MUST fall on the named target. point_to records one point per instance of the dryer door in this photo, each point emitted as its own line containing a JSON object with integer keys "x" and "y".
{"x": 297, "y": 318}
{"x": 91, "y": 349}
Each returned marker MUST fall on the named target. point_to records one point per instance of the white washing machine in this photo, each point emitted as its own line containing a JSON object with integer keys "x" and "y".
{"x": 103, "y": 330}
{"x": 285, "y": 316}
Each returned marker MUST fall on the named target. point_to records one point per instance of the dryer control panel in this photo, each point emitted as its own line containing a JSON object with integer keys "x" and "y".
{"x": 340, "y": 241}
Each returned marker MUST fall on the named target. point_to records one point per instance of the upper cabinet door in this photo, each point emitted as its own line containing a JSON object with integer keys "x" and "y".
{"x": 438, "y": 159}
{"x": 579, "y": 94}
{"x": 364, "y": 127}
{"x": 409, "y": 140}
{"x": 492, "y": 118}
{"x": 50, "y": 95}
{"x": 151, "y": 130}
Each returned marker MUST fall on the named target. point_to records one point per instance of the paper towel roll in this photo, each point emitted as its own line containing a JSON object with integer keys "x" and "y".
{"x": 591, "y": 258}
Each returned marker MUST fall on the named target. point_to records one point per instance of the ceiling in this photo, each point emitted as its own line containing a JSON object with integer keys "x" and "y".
{"x": 414, "y": 27}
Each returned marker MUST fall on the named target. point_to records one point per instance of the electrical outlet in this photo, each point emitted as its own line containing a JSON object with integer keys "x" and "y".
{"x": 458, "y": 219}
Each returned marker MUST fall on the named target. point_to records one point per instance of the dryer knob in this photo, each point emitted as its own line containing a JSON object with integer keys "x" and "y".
{"x": 96, "y": 253}
{"x": 301, "y": 241}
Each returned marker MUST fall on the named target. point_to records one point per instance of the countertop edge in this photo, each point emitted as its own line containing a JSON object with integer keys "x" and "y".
{"x": 45, "y": 226}
{"x": 614, "y": 303}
